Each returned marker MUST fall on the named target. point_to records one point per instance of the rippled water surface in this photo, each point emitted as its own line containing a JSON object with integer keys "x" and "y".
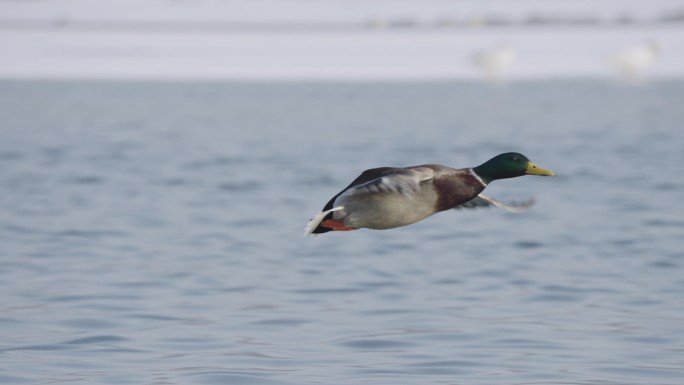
{"x": 152, "y": 233}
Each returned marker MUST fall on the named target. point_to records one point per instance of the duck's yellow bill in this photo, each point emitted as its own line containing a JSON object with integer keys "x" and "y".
{"x": 533, "y": 169}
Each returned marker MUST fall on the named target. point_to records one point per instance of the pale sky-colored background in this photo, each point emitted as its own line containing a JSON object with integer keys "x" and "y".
{"x": 337, "y": 39}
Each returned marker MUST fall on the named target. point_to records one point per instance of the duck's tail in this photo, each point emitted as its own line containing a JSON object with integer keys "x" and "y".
{"x": 313, "y": 227}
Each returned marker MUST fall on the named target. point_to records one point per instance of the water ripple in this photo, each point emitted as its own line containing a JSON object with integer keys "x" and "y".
{"x": 223, "y": 378}
{"x": 134, "y": 250}
{"x": 374, "y": 345}
{"x": 101, "y": 339}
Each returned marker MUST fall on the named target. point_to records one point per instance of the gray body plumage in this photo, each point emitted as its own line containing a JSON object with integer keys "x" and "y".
{"x": 386, "y": 198}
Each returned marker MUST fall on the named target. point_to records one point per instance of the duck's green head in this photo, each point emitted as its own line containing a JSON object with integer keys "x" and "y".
{"x": 509, "y": 165}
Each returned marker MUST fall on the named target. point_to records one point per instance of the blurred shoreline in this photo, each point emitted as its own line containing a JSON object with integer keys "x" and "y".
{"x": 445, "y": 24}
{"x": 333, "y": 40}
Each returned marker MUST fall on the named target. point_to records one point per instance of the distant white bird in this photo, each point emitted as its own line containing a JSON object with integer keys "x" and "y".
{"x": 494, "y": 61}
{"x": 377, "y": 23}
{"x": 631, "y": 63}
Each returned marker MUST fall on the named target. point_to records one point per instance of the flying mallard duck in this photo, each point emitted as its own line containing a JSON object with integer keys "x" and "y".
{"x": 389, "y": 197}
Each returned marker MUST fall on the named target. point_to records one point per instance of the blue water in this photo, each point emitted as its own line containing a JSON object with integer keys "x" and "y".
{"x": 152, "y": 233}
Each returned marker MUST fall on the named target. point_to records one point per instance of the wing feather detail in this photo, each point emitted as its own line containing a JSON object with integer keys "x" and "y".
{"x": 402, "y": 181}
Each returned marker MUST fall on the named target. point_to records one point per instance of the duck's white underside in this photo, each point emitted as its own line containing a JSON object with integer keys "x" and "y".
{"x": 387, "y": 214}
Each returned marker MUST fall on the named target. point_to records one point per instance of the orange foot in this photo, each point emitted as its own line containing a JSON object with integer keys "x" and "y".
{"x": 336, "y": 225}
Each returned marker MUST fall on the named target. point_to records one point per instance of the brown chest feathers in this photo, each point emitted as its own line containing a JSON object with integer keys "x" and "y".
{"x": 455, "y": 191}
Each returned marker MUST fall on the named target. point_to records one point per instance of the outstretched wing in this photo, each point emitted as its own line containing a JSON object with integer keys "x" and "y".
{"x": 485, "y": 201}
{"x": 404, "y": 181}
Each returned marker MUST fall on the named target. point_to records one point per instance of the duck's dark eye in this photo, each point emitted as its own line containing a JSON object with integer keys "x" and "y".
{"x": 515, "y": 158}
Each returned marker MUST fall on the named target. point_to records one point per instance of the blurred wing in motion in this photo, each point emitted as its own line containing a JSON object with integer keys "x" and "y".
{"x": 485, "y": 201}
